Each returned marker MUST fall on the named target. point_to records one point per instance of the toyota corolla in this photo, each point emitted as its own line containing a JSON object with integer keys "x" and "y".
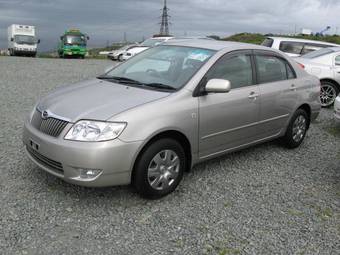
{"x": 148, "y": 120}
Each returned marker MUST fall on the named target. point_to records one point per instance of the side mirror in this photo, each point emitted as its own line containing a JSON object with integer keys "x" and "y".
{"x": 61, "y": 37}
{"x": 38, "y": 41}
{"x": 12, "y": 39}
{"x": 218, "y": 86}
{"x": 87, "y": 37}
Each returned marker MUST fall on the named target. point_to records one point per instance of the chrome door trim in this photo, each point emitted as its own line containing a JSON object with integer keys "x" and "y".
{"x": 240, "y": 146}
{"x": 245, "y": 126}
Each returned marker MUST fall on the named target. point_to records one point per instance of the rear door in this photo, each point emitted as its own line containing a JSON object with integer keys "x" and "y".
{"x": 228, "y": 120}
{"x": 278, "y": 90}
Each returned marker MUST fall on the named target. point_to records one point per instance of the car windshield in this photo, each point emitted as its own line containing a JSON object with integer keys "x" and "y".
{"x": 169, "y": 67}
{"x": 318, "y": 53}
{"x": 25, "y": 39}
{"x": 152, "y": 42}
{"x": 75, "y": 39}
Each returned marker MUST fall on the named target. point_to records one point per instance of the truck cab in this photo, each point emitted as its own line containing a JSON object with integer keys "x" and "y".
{"x": 73, "y": 44}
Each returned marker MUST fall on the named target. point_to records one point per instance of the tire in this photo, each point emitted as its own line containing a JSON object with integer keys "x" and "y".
{"x": 297, "y": 129}
{"x": 157, "y": 172}
{"x": 120, "y": 58}
{"x": 328, "y": 94}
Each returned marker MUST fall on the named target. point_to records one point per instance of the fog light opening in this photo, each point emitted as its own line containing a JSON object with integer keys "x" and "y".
{"x": 89, "y": 173}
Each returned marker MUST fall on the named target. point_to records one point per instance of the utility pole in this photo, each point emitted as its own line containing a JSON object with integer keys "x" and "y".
{"x": 164, "y": 31}
{"x": 124, "y": 37}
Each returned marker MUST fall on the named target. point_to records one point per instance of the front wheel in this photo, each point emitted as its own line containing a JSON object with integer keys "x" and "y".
{"x": 328, "y": 93}
{"x": 159, "y": 169}
{"x": 120, "y": 58}
{"x": 296, "y": 130}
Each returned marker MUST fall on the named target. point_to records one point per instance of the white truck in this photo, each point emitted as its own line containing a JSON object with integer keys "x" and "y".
{"x": 22, "y": 40}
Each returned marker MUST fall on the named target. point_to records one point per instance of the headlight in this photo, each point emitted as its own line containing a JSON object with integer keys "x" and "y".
{"x": 95, "y": 131}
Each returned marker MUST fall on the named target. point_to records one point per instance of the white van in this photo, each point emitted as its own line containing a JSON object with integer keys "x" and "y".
{"x": 295, "y": 47}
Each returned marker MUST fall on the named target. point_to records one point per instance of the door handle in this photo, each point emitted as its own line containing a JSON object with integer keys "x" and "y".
{"x": 293, "y": 87}
{"x": 253, "y": 95}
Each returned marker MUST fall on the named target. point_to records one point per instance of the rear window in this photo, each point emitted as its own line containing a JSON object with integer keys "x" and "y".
{"x": 291, "y": 47}
{"x": 319, "y": 53}
{"x": 310, "y": 47}
{"x": 268, "y": 42}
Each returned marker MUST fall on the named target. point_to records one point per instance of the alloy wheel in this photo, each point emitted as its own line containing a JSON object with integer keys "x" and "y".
{"x": 163, "y": 169}
{"x": 327, "y": 95}
{"x": 299, "y": 128}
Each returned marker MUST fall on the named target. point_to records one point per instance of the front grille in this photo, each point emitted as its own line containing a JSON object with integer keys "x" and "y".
{"x": 53, "y": 165}
{"x": 50, "y": 126}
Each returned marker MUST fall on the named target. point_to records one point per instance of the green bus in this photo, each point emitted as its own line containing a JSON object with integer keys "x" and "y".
{"x": 73, "y": 44}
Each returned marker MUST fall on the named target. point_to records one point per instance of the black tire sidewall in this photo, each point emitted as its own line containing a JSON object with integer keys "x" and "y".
{"x": 288, "y": 138}
{"x": 334, "y": 86}
{"x": 140, "y": 174}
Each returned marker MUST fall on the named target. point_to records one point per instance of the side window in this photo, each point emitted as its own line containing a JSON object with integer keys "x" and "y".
{"x": 337, "y": 60}
{"x": 290, "y": 73}
{"x": 291, "y": 47}
{"x": 270, "y": 69}
{"x": 310, "y": 47}
{"x": 237, "y": 69}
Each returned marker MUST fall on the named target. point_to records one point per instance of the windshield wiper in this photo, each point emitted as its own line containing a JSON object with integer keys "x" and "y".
{"x": 125, "y": 80}
{"x": 159, "y": 86}
{"x": 120, "y": 79}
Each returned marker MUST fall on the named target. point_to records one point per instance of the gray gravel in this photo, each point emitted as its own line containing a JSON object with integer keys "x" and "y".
{"x": 263, "y": 200}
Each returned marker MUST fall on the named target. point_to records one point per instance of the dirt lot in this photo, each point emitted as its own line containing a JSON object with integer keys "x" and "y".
{"x": 263, "y": 200}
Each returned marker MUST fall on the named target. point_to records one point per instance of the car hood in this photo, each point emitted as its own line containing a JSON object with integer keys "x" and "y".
{"x": 95, "y": 100}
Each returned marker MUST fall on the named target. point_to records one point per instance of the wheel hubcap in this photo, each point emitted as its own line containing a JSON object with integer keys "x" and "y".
{"x": 327, "y": 95}
{"x": 163, "y": 169}
{"x": 299, "y": 128}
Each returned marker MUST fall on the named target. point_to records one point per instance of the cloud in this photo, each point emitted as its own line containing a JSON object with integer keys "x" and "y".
{"x": 107, "y": 20}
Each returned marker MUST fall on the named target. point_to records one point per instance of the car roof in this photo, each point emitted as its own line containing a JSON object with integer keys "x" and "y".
{"x": 215, "y": 45}
{"x": 289, "y": 39}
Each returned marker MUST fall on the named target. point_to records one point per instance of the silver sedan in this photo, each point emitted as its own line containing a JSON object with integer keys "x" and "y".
{"x": 148, "y": 120}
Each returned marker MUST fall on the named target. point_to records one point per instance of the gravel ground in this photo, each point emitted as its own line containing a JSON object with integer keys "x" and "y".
{"x": 263, "y": 200}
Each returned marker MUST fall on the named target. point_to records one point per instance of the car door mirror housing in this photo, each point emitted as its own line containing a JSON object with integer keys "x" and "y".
{"x": 218, "y": 86}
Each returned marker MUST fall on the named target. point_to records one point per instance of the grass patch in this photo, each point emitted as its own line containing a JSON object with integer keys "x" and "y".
{"x": 335, "y": 131}
{"x": 294, "y": 212}
{"x": 227, "y": 251}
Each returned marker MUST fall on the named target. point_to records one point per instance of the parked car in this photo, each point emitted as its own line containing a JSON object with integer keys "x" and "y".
{"x": 294, "y": 47}
{"x": 325, "y": 64}
{"x": 337, "y": 108}
{"x": 153, "y": 117}
{"x": 118, "y": 54}
{"x": 151, "y": 42}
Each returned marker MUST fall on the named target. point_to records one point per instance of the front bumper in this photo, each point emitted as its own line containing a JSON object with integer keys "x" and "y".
{"x": 22, "y": 52}
{"x": 114, "y": 158}
{"x": 337, "y": 108}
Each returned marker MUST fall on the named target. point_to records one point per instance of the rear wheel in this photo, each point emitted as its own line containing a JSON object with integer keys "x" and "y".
{"x": 159, "y": 168}
{"x": 296, "y": 130}
{"x": 328, "y": 93}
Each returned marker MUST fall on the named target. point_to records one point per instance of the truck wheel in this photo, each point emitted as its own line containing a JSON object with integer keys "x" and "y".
{"x": 159, "y": 169}
{"x": 296, "y": 130}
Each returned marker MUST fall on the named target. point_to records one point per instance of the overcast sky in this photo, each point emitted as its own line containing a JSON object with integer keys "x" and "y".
{"x": 107, "y": 20}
